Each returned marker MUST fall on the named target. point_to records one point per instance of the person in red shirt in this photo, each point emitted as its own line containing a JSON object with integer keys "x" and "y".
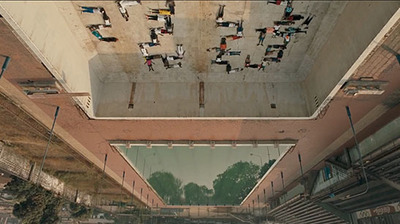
{"x": 222, "y": 45}
{"x": 149, "y": 63}
{"x": 286, "y": 39}
{"x": 233, "y": 37}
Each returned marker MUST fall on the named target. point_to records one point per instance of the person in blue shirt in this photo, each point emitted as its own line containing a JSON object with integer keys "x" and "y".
{"x": 99, "y": 10}
{"x": 295, "y": 30}
{"x": 288, "y": 10}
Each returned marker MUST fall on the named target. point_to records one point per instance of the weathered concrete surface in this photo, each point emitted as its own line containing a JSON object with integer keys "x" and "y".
{"x": 350, "y": 37}
{"x": 50, "y": 37}
{"x": 107, "y": 70}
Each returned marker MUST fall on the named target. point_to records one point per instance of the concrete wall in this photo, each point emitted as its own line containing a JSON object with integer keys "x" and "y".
{"x": 44, "y": 28}
{"x": 358, "y": 24}
{"x": 379, "y": 139}
{"x": 21, "y": 167}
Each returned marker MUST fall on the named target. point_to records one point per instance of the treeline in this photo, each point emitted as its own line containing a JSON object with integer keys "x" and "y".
{"x": 229, "y": 188}
{"x": 34, "y": 204}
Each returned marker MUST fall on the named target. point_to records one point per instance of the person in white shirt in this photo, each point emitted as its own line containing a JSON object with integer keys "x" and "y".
{"x": 220, "y": 14}
{"x": 179, "y": 50}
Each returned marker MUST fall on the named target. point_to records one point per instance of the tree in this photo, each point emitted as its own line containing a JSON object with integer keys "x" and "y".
{"x": 265, "y": 168}
{"x": 36, "y": 205}
{"x": 167, "y": 186}
{"x": 80, "y": 211}
{"x": 51, "y": 209}
{"x": 195, "y": 194}
{"x": 232, "y": 186}
{"x": 30, "y": 210}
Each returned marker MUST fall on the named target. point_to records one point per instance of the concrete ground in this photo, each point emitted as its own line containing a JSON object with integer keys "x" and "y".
{"x": 174, "y": 93}
{"x": 113, "y": 67}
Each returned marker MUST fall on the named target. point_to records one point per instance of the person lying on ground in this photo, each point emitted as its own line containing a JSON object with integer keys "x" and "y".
{"x": 153, "y": 36}
{"x": 88, "y": 9}
{"x": 247, "y": 61}
{"x": 288, "y": 10}
{"x": 168, "y": 23}
{"x": 165, "y": 61}
{"x": 179, "y": 50}
{"x": 229, "y": 69}
{"x": 106, "y": 19}
{"x": 233, "y": 37}
{"x": 286, "y": 39}
{"x": 154, "y": 56}
{"x": 222, "y": 62}
{"x": 219, "y": 56}
{"x": 105, "y": 39}
{"x": 161, "y": 31}
{"x": 109, "y": 39}
{"x": 216, "y": 49}
{"x": 227, "y": 24}
{"x": 295, "y": 30}
{"x": 148, "y": 44}
{"x": 276, "y": 2}
{"x": 122, "y": 5}
{"x": 280, "y": 54}
{"x": 222, "y": 45}
{"x": 272, "y": 59}
{"x": 277, "y": 46}
{"x": 164, "y": 12}
{"x": 294, "y": 18}
{"x": 171, "y": 6}
{"x": 239, "y": 29}
{"x": 284, "y": 22}
{"x": 144, "y": 51}
{"x": 177, "y": 65}
{"x": 160, "y": 18}
{"x": 220, "y": 14}
{"x": 269, "y": 51}
{"x": 97, "y": 27}
{"x": 173, "y": 58}
{"x": 232, "y": 53}
{"x": 253, "y": 66}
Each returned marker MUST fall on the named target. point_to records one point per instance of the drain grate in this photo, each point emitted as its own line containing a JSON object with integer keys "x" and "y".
{"x": 316, "y": 101}
{"x": 89, "y": 100}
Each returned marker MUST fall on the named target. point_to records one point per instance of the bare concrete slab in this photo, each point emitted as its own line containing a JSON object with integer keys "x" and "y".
{"x": 231, "y": 99}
